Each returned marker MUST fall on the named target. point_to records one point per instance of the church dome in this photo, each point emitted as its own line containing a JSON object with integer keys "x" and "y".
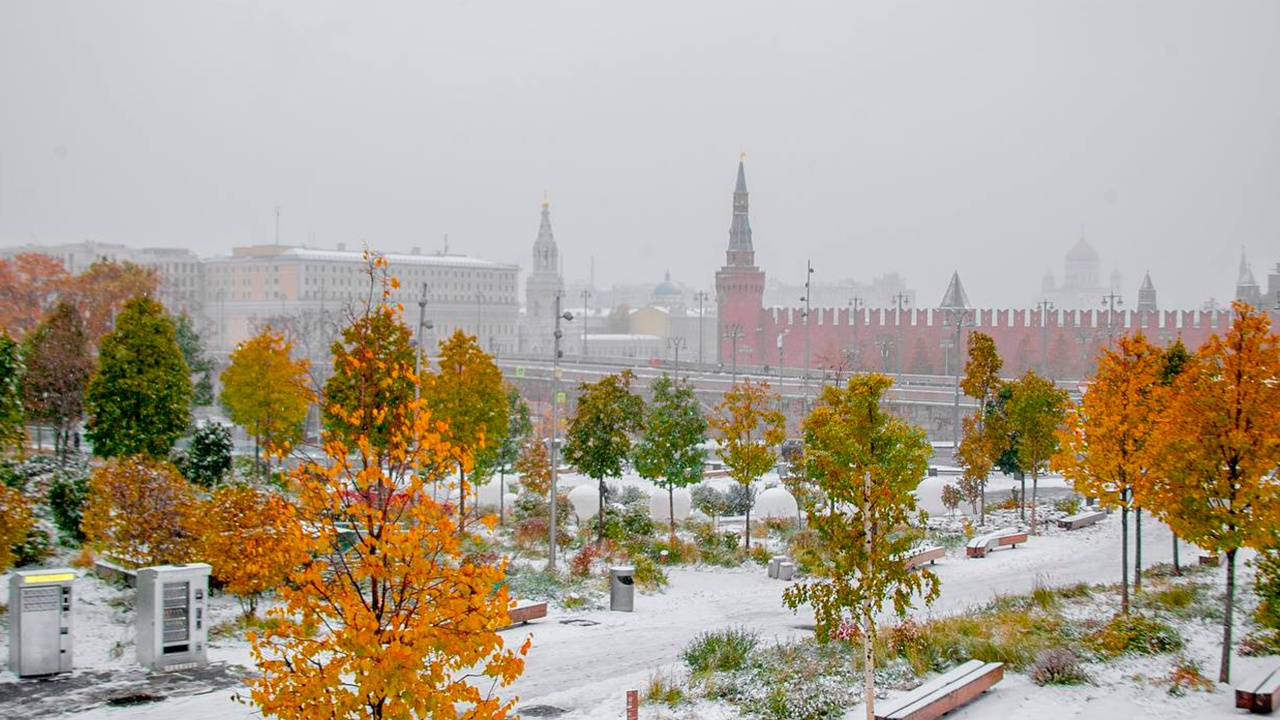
{"x": 666, "y": 288}
{"x": 1082, "y": 251}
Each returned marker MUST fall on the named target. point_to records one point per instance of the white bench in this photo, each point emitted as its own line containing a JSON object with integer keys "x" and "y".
{"x": 1082, "y": 519}
{"x": 1257, "y": 693}
{"x": 942, "y": 694}
{"x": 983, "y": 544}
{"x": 921, "y": 554}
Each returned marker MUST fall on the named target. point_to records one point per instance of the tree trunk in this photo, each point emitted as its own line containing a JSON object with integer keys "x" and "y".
{"x": 1224, "y": 675}
{"x": 1137, "y": 551}
{"x": 1124, "y": 558}
{"x": 1177, "y": 568}
{"x": 868, "y": 620}
{"x": 462, "y": 500}
{"x": 746, "y": 529}
{"x": 1035, "y": 485}
{"x": 671, "y": 515}
{"x": 600, "y": 516}
{"x": 982, "y": 499}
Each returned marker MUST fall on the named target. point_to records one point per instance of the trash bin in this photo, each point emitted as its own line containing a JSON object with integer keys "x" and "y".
{"x": 786, "y": 570}
{"x": 622, "y": 588}
{"x": 40, "y": 621}
{"x": 774, "y": 562}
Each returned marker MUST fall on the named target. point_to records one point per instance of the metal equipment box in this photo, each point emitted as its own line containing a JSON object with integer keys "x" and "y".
{"x": 40, "y": 621}
{"x": 172, "y": 627}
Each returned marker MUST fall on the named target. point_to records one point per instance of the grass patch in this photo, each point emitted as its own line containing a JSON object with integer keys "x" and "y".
{"x": 663, "y": 691}
{"x": 719, "y": 651}
{"x": 1133, "y": 633}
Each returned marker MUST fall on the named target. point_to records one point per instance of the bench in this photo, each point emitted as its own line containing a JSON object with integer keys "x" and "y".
{"x": 1257, "y": 693}
{"x": 983, "y": 544}
{"x": 921, "y": 554}
{"x": 944, "y": 693}
{"x": 524, "y": 611}
{"x": 1081, "y": 519}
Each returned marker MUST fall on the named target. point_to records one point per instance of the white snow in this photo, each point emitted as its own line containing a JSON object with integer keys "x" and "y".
{"x": 587, "y": 667}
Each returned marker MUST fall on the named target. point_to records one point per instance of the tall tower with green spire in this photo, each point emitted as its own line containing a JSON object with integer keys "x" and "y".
{"x": 740, "y": 287}
{"x": 541, "y": 288}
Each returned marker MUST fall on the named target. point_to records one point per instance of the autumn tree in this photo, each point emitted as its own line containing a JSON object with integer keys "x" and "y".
{"x": 467, "y": 394}
{"x": 1103, "y": 443}
{"x": 1036, "y": 410}
{"x": 12, "y": 418}
{"x": 103, "y": 290}
{"x": 267, "y": 392}
{"x": 669, "y": 450}
{"x": 139, "y": 401}
{"x": 140, "y": 512}
{"x": 533, "y": 467}
{"x": 598, "y": 440}
{"x": 1218, "y": 449}
{"x": 1176, "y": 357}
{"x": 977, "y": 450}
{"x": 58, "y": 367}
{"x": 404, "y": 623}
{"x": 252, "y": 539}
{"x": 868, "y": 463}
{"x": 751, "y": 428}
{"x": 16, "y": 520}
{"x": 29, "y": 287}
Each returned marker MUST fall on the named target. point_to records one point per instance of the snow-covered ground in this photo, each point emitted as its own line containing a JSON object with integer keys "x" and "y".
{"x": 584, "y": 662}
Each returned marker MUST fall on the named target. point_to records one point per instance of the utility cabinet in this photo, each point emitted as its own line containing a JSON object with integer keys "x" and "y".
{"x": 172, "y": 616}
{"x": 40, "y": 621}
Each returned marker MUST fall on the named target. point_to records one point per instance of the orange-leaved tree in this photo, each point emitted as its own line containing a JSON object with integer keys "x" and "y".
{"x": 398, "y": 621}
{"x": 1103, "y": 444}
{"x": 252, "y": 539}
{"x": 467, "y": 394}
{"x": 1217, "y": 447}
{"x": 16, "y": 521}
{"x": 29, "y": 286}
{"x": 140, "y": 512}
{"x": 267, "y": 392}
{"x": 101, "y": 291}
{"x": 751, "y": 428}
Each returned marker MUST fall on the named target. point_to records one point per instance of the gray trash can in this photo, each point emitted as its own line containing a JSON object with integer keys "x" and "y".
{"x": 786, "y": 571}
{"x": 622, "y": 588}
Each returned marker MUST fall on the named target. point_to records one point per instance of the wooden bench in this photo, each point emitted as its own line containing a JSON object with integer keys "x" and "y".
{"x": 1257, "y": 693}
{"x": 524, "y": 611}
{"x": 983, "y": 544}
{"x": 922, "y": 554}
{"x": 942, "y": 694}
{"x": 1082, "y": 519}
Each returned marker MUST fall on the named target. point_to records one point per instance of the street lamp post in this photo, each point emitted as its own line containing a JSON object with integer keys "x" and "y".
{"x": 733, "y": 334}
{"x": 701, "y": 297}
{"x": 884, "y": 344}
{"x": 808, "y": 299}
{"x": 676, "y": 343}
{"x": 855, "y": 314}
{"x": 958, "y": 317}
{"x": 423, "y": 325}
{"x": 1045, "y": 307}
{"x": 1111, "y": 301}
{"x": 585, "y": 295}
{"x": 781, "y": 335}
{"x": 555, "y": 420}
{"x": 899, "y": 301}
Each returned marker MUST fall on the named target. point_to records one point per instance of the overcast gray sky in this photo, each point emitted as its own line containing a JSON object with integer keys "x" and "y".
{"x": 919, "y": 137}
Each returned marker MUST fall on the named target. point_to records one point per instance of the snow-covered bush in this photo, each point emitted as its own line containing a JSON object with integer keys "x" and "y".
{"x": 1058, "y": 666}
{"x": 719, "y": 650}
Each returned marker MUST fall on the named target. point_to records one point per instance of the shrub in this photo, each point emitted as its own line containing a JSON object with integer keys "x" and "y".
{"x": 16, "y": 524}
{"x": 67, "y": 495}
{"x": 1266, "y": 587}
{"x": 208, "y": 457}
{"x": 1178, "y": 600}
{"x": 662, "y": 690}
{"x": 719, "y": 650}
{"x": 1186, "y": 675}
{"x": 648, "y": 574}
{"x": 709, "y": 501}
{"x": 1009, "y": 503}
{"x": 760, "y": 555}
{"x": 580, "y": 564}
{"x": 140, "y": 512}
{"x": 1058, "y": 666}
{"x": 1134, "y": 633}
{"x": 1069, "y": 505}
{"x": 35, "y": 549}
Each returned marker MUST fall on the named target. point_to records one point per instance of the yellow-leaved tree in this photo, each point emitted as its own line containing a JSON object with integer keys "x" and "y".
{"x": 15, "y": 522}
{"x": 267, "y": 392}
{"x": 751, "y": 428}
{"x": 140, "y": 512}
{"x": 402, "y": 623}
{"x": 1103, "y": 444}
{"x": 251, "y": 538}
{"x": 1217, "y": 449}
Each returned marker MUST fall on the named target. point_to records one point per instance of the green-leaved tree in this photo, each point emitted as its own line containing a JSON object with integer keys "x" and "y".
{"x": 669, "y": 452}
{"x": 598, "y": 440}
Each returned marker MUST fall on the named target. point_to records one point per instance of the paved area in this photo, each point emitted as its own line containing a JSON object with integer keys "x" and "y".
{"x": 80, "y": 691}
